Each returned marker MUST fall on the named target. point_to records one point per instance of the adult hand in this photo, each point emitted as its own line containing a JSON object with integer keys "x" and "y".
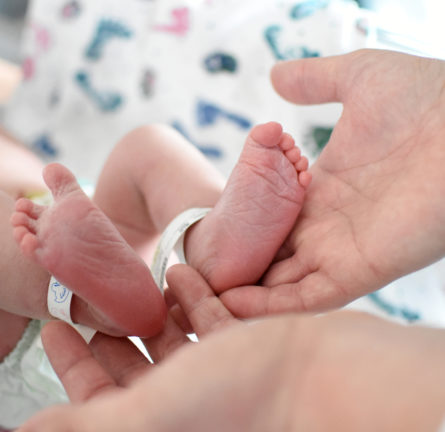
{"x": 220, "y": 384}
{"x": 340, "y": 372}
{"x": 375, "y": 209}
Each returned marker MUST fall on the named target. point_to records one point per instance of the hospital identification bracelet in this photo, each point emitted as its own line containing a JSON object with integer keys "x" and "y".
{"x": 173, "y": 239}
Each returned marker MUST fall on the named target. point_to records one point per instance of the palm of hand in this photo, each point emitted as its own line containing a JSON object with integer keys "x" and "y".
{"x": 374, "y": 210}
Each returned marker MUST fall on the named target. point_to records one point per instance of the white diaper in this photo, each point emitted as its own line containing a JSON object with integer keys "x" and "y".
{"x": 27, "y": 381}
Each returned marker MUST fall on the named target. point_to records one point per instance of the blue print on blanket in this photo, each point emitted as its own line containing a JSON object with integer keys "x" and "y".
{"x": 209, "y": 114}
{"x": 272, "y": 36}
{"x": 394, "y": 310}
{"x": 43, "y": 145}
{"x": 105, "y": 100}
{"x": 220, "y": 62}
{"x": 105, "y": 31}
{"x": 307, "y": 8}
{"x": 210, "y": 151}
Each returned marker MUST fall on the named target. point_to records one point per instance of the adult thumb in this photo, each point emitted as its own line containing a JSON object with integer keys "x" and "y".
{"x": 312, "y": 80}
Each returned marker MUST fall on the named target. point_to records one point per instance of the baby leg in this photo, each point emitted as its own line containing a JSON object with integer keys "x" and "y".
{"x": 150, "y": 177}
{"x": 12, "y": 328}
{"x": 22, "y": 284}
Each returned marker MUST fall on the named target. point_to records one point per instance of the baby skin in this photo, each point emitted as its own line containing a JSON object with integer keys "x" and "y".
{"x": 87, "y": 250}
{"x": 74, "y": 241}
{"x": 239, "y": 238}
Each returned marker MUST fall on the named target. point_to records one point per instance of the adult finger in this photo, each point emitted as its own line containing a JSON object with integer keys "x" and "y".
{"x": 175, "y": 310}
{"x": 120, "y": 357}
{"x": 180, "y": 318}
{"x": 203, "y": 309}
{"x": 314, "y": 293}
{"x": 80, "y": 373}
{"x": 313, "y": 80}
{"x": 171, "y": 338}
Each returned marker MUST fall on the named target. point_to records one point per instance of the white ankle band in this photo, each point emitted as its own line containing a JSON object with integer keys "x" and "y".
{"x": 173, "y": 238}
{"x": 59, "y": 306}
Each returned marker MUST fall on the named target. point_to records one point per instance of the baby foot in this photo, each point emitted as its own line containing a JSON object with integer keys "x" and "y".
{"x": 235, "y": 243}
{"x": 78, "y": 244}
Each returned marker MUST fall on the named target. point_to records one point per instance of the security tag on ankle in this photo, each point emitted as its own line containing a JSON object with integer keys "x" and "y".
{"x": 59, "y": 306}
{"x": 173, "y": 238}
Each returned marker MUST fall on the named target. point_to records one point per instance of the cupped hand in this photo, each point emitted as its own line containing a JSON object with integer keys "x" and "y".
{"x": 219, "y": 384}
{"x": 375, "y": 209}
